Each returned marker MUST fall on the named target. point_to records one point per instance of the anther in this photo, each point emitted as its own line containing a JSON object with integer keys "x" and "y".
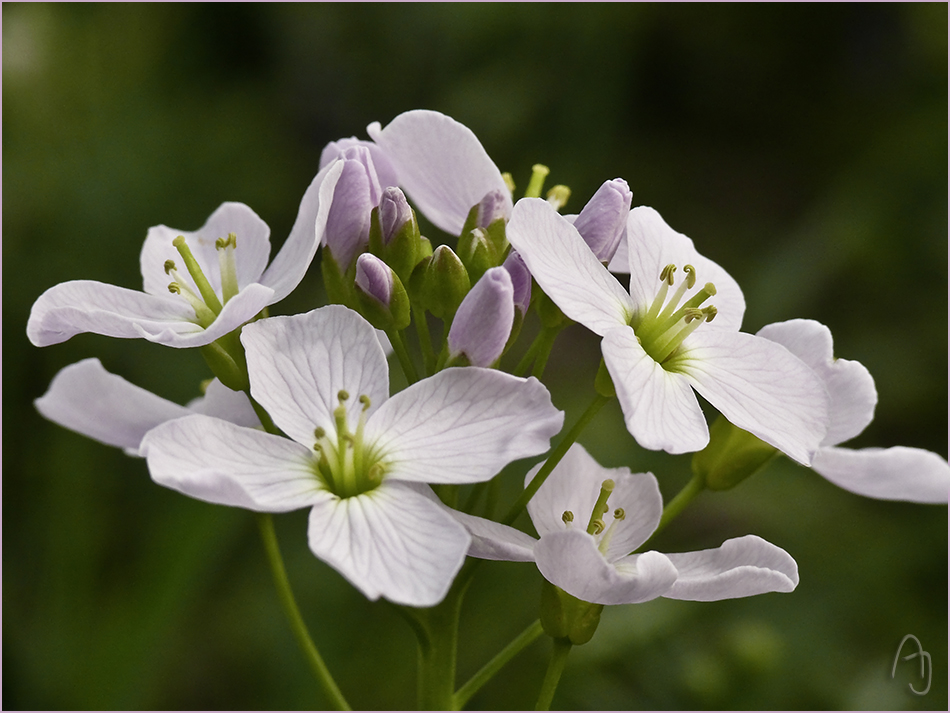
{"x": 619, "y": 514}
{"x": 692, "y": 313}
{"x": 558, "y": 196}
{"x": 169, "y": 266}
{"x": 597, "y": 526}
{"x": 343, "y": 395}
{"x": 690, "y": 276}
{"x": 567, "y": 517}
{"x": 319, "y": 432}
{"x": 710, "y": 313}
{"x": 666, "y": 274}
{"x": 364, "y": 399}
{"x": 509, "y": 181}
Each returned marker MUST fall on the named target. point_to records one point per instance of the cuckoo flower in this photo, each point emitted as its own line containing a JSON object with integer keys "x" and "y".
{"x": 198, "y": 286}
{"x": 897, "y": 473}
{"x": 357, "y": 458}
{"x": 86, "y": 398}
{"x": 589, "y": 518}
{"x": 660, "y": 341}
{"x": 442, "y": 167}
{"x": 483, "y": 322}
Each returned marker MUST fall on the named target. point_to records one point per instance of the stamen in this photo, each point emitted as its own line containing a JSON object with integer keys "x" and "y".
{"x": 226, "y": 263}
{"x": 693, "y": 319}
{"x": 538, "y": 173}
{"x": 604, "y": 543}
{"x": 343, "y": 395}
{"x": 509, "y": 181}
{"x": 666, "y": 277}
{"x": 567, "y": 517}
{"x": 558, "y": 196}
{"x": 204, "y": 315}
{"x": 169, "y": 266}
{"x": 194, "y": 269}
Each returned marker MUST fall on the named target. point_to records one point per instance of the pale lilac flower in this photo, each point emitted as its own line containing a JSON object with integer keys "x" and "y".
{"x": 375, "y": 278}
{"x": 198, "y": 286}
{"x": 520, "y": 280}
{"x": 603, "y": 220}
{"x": 483, "y": 321}
{"x": 89, "y": 400}
{"x": 598, "y": 567}
{"x": 394, "y": 213}
{"x": 660, "y": 341}
{"x": 442, "y": 167}
{"x": 357, "y": 458}
{"x": 897, "y": 473}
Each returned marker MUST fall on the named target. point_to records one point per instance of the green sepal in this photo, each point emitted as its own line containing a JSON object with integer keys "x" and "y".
{"x": 230, "y": 368}
{"x": 394, "y": 316}
{"x": 566, "y": 617}
{"x": 603, "y": 384}
{"x": 444, "y": 284}
{"x": 404, "y": 250}
{"x": 549, "y": 313}
{"x": 339, "y": 285}
{"x": 498, "y": 238}
{"x": 731, "y": 456}
{"x": 471, "y": 221}
{"x": 477, "y": 253}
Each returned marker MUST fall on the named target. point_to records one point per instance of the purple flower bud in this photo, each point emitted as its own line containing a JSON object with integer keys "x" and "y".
{"x": 394, "y": 212}
{"x": 520, "y": 280}
{"x": 602, "y": 221}
{"x": 384, "y": 169}
{"x": 483, "y": 322}
{"x": 374, "y": 277}
{"x": 357, "y": 193}
{"x": 492, "y": 207}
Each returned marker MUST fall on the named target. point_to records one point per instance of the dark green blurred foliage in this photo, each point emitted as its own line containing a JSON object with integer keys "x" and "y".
{"x": 801, "y": 146}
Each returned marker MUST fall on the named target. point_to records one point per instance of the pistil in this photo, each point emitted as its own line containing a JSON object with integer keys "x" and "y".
{"x": 194, "y": 269}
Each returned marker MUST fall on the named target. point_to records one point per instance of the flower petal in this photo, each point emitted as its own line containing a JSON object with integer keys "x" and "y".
{"x": 741, "y": 567}
{"x": 652, "y": 244}
{"x": 290, "y": 265}
{"x": 851, "y": 392}
{"x": 214, "y": 460}
{"x": 250, "y": 255}
{"x": 86, "y": 398}
{"x": 384, "y": 170}
{"x": 298, "y": 365}
{"x": 575, "y": 485}
{"x": 566, "y": 269}
{"x": 760, "y": 387}
{"x": 392, "y": 542}
{"x": 441, "y": 165}
{"x": 463, "y": 425}
{"x": 221, "y": 402}
{"x": 897, "y": 473}
{"x": 659, "y": 407}
{"x": 493, "y": 541}
{"x": 570, "y": 560}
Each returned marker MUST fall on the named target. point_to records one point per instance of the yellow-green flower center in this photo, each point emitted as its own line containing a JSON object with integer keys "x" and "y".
{"x": 667, "y": 323}
{"x": 206, "y": 303}
{"x": 596, "y": 526}
{"x": 345, "y": 463}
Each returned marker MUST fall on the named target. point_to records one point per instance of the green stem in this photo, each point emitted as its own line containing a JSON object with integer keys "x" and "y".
{"x": 562, "y": 647}
{"x": 319, "y": 668}
{"x": 674, "y": 507}
{"x": 528, "y": 357}
{"x": 437, "y": 632}
{"x": 547, "y": 337}
{"x": 556, "y": 455}
{"x": 487, "y": 671}
{"x": 399, "y": 346}
{"x": 425, "y": 339}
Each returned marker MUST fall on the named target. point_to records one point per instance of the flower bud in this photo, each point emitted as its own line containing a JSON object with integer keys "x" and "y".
{"x": 445, "y": 283}
{"x": 494, "y": 206}
{"x": 483, "y": 322}
{"x": 520, "y": 280}
{"x": 477, "y": 253}
{"x": 382, "y": 297}
{"x": 394, "y": 233}
{"x": 357, "y": 192}
{"x": 384, "y": 169}
{"x": 731, "y": 456}
{"x": 602, "y": 221}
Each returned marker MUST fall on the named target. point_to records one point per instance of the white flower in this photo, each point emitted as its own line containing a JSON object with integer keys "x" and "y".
{"x": 589, "y": 518}
{"x": 357, "y": 458}
{"x": 86, "y": 398}
{"x": 198, "y": 286}
{"x": 897, "y": 473}
{"x": 441, "y": 165}
{"x": 660, "y": 341}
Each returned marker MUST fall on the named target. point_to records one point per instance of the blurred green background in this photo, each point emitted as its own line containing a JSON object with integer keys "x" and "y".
{"x": 801, "y": 146}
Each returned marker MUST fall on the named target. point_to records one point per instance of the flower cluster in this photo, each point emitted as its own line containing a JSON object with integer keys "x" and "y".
{"x": 300, "y": 415}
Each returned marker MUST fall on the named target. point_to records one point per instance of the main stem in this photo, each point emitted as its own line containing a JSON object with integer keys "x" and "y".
{"x": 487, "y": 671}
{"x": 309, "y": 649}
{"x": 437, "y": 632}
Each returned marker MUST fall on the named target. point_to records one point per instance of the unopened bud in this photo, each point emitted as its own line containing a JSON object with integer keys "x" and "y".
{"x": 382, "y": 297}
{"x": 483, "y": 322}
{"x": 445, "y": 283}
{"x": 603, "y": 220}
